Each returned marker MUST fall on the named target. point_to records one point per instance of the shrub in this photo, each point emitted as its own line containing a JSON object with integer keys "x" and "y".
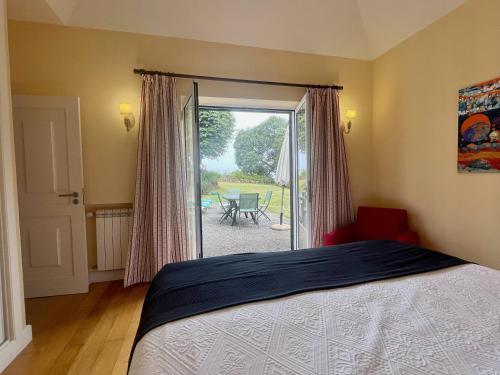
{"x": 208, "y": 181}
{"x": 239, "y": 176}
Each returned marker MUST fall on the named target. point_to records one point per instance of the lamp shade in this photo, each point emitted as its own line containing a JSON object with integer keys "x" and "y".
{"x": 125, "y": 108}
{"x": 351, "y": 114}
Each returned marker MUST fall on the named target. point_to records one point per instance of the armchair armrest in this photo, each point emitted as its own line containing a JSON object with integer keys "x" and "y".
{"x": 342, "y": 235}
{"x": 409, "y": 237}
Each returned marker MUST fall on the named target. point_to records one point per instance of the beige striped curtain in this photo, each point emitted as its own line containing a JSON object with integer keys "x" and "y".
{"x": 159, "y": 234}
{"x": 331, "y": 203}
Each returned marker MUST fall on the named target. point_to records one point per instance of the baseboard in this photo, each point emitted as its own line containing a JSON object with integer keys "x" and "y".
{"x": 96, "y": 276}
{"x": 10, "y": 349}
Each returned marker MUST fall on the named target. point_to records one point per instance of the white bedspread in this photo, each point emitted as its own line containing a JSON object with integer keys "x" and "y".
{"x": 443, "y": 322}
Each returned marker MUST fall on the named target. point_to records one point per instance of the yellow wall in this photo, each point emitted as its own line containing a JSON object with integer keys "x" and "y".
{"x": 406, "y": 159}
{"x": 97, "y": 66}
{"x": 415, "y": 132}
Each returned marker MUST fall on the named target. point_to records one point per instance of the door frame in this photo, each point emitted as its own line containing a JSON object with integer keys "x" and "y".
{"x": 17, "y": 332}
{"x": 295, "y": 169}
{"x": 293, "y": 156}
{"x": 196, "y": 161}
{"x": 197, "y": 175}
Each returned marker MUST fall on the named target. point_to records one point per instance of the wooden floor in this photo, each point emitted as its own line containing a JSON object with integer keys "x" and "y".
{"x": 83, "y": 333}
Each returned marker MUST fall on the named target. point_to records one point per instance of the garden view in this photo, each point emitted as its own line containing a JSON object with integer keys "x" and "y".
{"x": 240, "y": 152}
{"x": 237, "y": 154}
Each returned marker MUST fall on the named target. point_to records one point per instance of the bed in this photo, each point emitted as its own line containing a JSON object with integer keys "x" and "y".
{"x": 373, "y": 307}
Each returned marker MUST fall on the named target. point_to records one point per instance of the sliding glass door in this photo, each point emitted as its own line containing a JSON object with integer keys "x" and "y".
{"x": 192, "y": 151}
{"x": 301, "y": 185}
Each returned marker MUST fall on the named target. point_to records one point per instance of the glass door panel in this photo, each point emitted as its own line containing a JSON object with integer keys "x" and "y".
{"x": 191, "y": 119}
{"x": 302, "y": 176}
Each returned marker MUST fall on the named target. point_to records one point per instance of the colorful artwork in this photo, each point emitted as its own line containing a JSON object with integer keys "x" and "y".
{"x": 479, "y": 127}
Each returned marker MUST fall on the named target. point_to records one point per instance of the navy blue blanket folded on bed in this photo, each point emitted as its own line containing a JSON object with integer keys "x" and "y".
{"x": 189, "y": 288}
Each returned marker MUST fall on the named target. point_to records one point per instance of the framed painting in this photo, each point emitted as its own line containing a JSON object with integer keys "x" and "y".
{"x": 479, "y": 127}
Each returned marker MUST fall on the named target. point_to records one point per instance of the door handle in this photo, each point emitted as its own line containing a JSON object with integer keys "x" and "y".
{"x": 73, "y": 194}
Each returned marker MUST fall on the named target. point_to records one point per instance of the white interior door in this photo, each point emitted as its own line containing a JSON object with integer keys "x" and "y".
{"x": 50, "y": 188}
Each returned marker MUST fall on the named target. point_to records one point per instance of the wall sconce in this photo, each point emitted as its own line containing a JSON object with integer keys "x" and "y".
{"x": 128, "y": 115}
{"x": 350, "y": 115}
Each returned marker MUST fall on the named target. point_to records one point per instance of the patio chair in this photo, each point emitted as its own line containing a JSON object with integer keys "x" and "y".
{"x": 206, "y": 203}
{"x": 249, "y": 204}
{"x": 226, "y": 208}
{"x": 263, "y": 207}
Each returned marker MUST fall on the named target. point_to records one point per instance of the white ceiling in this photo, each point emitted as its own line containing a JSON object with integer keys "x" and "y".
{"x": 362, "y": 29}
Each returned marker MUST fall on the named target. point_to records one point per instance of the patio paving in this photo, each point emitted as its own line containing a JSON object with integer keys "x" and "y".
{"x": 224, "y": 239}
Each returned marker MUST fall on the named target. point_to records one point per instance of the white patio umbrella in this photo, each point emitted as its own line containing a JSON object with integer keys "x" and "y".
{"x": 283, "y": 177}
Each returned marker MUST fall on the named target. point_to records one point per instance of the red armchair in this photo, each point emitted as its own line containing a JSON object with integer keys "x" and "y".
{"x": 374, "y": 223}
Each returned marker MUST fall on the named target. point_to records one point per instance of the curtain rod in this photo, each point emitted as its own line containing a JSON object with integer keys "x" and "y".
{"x": 237, "y": 80}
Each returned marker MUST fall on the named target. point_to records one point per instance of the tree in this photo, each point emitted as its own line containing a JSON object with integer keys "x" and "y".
{"x": 216, "y": 130}
{"x": 257, "y": 150}
{"x": 301, "y": 129}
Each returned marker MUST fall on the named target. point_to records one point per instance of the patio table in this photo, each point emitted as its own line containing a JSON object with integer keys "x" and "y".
{"x": 233, "y": 199}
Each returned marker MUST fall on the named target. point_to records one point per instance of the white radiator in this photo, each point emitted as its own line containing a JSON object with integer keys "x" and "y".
{"x": 113, "y": 230}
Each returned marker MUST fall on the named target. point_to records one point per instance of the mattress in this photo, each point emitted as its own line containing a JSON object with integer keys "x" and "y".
{"x": 439, "y": 322}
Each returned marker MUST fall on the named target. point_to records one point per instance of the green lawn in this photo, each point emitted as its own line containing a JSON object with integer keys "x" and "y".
{"x": 275, "y": 204}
